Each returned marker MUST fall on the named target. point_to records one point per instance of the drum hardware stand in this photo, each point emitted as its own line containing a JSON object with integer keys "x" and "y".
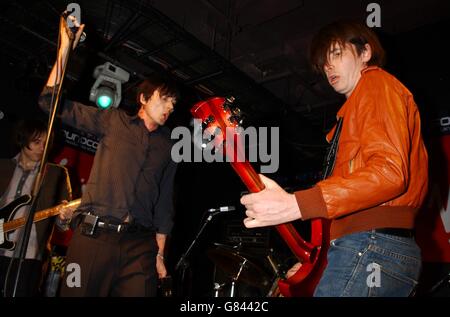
{"x": 278, "y": 275}
{"x": 182, "y": 262}
{"x": 445, "y": 279}
{"x": 217, "y": 288}
{"x": 235, "y": 278}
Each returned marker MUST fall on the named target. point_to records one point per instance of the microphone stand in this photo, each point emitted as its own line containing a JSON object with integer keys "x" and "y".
{"x": 182, "y": 262}
{"x": 40, "y": 175}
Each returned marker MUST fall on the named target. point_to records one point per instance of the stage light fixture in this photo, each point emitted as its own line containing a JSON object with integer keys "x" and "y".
{"x": 107, "y": 89}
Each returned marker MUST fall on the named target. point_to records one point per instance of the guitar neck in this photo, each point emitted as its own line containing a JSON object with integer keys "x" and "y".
{"x": 248, "y": 176}
{"x": 39, "y": 216}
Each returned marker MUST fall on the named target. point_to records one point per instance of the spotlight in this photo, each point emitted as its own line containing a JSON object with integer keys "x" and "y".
{"x": 107, "y": 89}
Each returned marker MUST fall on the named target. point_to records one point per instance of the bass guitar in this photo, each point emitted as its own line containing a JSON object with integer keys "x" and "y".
{"x": 219, "y": 116}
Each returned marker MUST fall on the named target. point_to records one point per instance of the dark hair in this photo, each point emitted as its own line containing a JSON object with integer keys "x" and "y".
{"x": 28, "y": 130}
{"x": 343, "y": 33}
{"x": 167, "y": 87}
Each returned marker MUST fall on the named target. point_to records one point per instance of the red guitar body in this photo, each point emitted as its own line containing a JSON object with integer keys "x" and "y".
{"x": 217, "y": 113}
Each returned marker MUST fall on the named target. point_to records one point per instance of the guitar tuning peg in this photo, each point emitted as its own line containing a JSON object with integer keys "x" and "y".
{"x": 237, "y": 112}
{"x": 228, "y": 103}
{"x": 236, "y": 116}
{"x": 208, "y": 120}
{"x": 231, "y": 99}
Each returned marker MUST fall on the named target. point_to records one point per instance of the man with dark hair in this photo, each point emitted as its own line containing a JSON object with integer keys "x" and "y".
{"x": 379, "y": 180}
{"x": 17, "y": 177}
{"x": 127, "y": 208}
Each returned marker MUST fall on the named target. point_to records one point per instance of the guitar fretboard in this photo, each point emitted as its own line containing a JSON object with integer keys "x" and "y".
{"x": 41, "y": 215}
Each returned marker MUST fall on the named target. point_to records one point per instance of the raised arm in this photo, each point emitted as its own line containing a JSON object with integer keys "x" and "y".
{"x": 74, "y": 114}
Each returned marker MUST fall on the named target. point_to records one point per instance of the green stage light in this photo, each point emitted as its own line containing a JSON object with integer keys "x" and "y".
{"x": 107, "y": 89}
{"x": 105, "y": 97}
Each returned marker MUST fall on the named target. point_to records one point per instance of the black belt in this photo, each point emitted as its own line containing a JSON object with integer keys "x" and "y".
{"x": 401, "y": 232}
{"x": 119, "y": 228}
{"x": 91, "y": 222}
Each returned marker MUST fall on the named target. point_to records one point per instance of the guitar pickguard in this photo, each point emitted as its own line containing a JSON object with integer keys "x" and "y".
{"x": 6, "y": 214}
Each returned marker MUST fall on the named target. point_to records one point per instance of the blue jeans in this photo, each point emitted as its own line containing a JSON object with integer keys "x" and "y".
{"x": 371, "y": 264}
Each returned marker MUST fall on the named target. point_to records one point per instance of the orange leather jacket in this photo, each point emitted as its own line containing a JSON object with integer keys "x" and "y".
{"x": 381, "y": 173}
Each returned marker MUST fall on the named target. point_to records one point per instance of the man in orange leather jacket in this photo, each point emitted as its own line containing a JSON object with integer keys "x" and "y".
{"x": 379, "y": 179}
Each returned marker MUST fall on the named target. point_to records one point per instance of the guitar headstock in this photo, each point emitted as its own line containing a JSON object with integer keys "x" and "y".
{"x": 218, "y": 115}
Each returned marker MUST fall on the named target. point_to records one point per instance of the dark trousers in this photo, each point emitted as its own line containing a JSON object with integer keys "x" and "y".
{"x": 111, "y": 264}
{"x": 29, "y": 279}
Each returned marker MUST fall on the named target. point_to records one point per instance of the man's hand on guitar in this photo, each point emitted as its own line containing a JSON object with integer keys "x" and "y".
{"x": 293, "y": 269}
{"x": 65, "y": 215}
{"x": 66, "y": 211}
{"x": 271, "y": 206}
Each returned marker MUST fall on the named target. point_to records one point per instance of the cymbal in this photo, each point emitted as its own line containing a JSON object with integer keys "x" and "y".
{"x": 238, "y": 267}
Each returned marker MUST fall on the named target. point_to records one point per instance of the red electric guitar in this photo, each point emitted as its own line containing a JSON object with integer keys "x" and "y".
{"x": 218, "y": 114}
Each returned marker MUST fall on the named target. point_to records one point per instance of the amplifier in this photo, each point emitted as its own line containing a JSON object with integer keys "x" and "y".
{"x": 237, "y": 233}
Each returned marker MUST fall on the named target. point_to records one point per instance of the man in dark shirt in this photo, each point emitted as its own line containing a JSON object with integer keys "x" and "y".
{"x": 127, "y": 207}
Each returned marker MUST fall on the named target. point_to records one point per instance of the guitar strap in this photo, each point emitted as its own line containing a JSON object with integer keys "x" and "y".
{"x": 330, "y": 158}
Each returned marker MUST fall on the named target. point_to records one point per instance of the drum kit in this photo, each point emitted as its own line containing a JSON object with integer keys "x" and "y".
{"x": 241, "y": 277}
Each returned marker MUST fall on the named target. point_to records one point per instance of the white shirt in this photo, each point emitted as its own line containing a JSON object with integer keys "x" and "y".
{"x": 21, "y": 184}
